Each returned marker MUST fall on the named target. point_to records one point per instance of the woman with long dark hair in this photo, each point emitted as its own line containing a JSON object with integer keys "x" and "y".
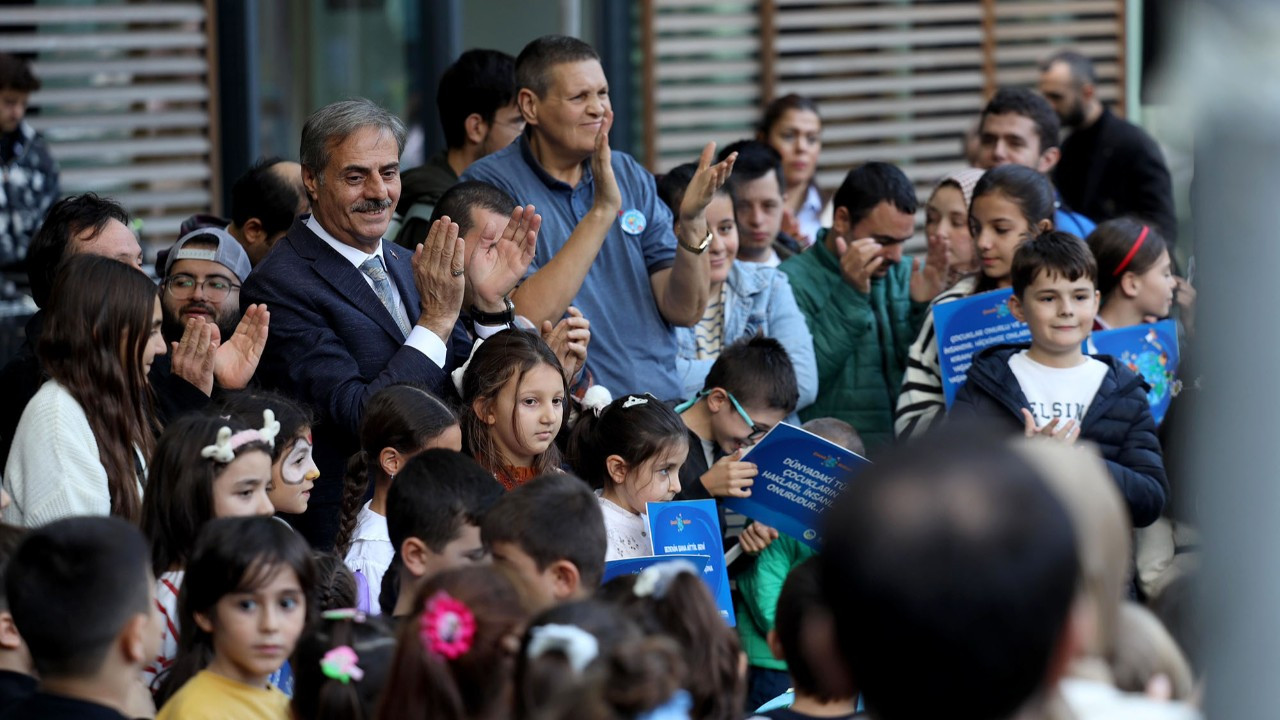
{"x": 82, "y": 444}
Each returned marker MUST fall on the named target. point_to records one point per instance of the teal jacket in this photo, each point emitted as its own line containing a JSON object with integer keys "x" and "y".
{"x": 860, "y": 340}
{"x": 759, "y": 588}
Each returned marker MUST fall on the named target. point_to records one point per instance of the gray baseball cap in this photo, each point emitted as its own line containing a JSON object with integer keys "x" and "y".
{"x": 228, "y": 253}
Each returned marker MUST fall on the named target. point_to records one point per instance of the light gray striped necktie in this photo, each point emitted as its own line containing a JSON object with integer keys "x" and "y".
{"x": 386, "y": 293}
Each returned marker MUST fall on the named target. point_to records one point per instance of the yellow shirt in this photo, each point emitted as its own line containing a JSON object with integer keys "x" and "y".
{"x": 209, "y": 696}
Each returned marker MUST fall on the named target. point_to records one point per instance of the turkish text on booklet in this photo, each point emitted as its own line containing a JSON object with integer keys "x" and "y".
{"x": 692, "y": 527}
{"x": 966, "y": 326}
{"x": 799, "y": 476}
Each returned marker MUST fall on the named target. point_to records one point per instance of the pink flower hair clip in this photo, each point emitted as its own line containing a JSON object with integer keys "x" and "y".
{"x": 447, "y": 626}
{"x": 340, "y": 664}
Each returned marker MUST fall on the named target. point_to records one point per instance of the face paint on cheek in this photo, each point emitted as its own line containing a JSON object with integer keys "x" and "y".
{"x": 298, "y": 467}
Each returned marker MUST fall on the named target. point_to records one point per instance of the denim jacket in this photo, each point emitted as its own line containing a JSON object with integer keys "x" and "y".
{"x": 757, "y": 298}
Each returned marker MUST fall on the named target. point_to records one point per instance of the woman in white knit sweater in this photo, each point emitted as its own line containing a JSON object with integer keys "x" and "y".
{"x": 82, "y": 443}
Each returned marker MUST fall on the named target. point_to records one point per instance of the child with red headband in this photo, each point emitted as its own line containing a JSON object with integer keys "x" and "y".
{"x": 1135, "y": 273}
{"x": 1053, "y": 389}
{"x": 1136, "y": 280}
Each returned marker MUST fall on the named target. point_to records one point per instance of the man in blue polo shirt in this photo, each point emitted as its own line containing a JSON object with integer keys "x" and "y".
{"x": 606, "y": 244}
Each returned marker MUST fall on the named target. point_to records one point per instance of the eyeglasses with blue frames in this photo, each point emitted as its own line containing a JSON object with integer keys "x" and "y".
{"x": 757, "y": 431}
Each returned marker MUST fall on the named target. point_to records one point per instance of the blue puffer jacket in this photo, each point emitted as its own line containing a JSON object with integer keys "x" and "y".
{"x": 757, "y": 298}
{"x": 1119, "y": 422}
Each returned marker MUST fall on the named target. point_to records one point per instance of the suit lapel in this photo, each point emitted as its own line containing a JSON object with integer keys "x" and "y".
{"x": 346, "y": 279}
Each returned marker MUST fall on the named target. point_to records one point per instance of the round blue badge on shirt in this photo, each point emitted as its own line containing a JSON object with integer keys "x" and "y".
{"x": 633, "y": 222}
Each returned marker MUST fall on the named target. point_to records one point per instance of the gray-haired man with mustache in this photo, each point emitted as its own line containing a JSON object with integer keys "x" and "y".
{"x": 352, "y": 314}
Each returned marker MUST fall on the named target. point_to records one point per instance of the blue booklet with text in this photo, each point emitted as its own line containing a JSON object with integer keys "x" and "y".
{"x": 1149, "y": 350}
{"x": 692, "y": 527}
{"x": 966, "y": 326}
{"x": 799, "y": 476}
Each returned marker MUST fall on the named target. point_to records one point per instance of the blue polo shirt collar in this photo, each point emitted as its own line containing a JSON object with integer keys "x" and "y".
{"x": 526, "y": 153}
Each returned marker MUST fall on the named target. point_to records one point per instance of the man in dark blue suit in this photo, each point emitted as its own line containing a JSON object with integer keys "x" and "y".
{"x": 351, "y": 314}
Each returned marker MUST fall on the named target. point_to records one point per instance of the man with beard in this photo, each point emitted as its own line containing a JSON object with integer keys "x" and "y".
{"x": 203, "y": 273}
{"x": 1109, "y": 167}
{"x": 1019, "y": 127}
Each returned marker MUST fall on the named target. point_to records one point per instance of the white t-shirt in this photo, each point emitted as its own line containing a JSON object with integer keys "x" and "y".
{"x": 626, "y": 532}
{"x": 1063, "y": 393}
{"x": 371, "y": 552}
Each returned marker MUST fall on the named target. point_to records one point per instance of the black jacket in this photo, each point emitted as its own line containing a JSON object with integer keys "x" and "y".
{"x": 422, "y": 188}
{"x": 1119, "y": 422}
{"x": 1113, "y": 168}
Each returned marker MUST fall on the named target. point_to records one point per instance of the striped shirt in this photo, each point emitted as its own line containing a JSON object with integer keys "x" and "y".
{"x": 709, "y": 332}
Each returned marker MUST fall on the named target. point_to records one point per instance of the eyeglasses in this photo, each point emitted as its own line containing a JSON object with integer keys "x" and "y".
{"x": 215, "y": 289}
{"x": 757, "y": 431}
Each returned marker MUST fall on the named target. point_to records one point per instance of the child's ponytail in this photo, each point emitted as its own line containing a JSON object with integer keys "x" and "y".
{"x": 671, "y": 599}
{"x": 341, "y": 667}
{"x": 561, "y": 647}
{"x": 355, "y": 486}
{"x": 402, "y": 416}
{"x": 633, "y": 427}
{"x": 452, "y": 661}
{"x": 637, "y": 678}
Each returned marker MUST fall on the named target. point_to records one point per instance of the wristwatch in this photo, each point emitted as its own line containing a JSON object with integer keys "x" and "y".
{"x": 700, "y": 247}
{"x": 505, "y": 317}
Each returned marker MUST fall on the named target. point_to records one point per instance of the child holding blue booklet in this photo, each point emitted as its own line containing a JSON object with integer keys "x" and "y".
{"x": 750, "y": 388}
{"x": 1136, "y": 280}
{"x": 631, "y": 453}
{"x": 1053, "y": 389}
{"x": 1010, "y": 204}
{"x": 761, "y": 585}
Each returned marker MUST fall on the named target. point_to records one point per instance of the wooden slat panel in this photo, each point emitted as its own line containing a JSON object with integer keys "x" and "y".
{"x": 134, "y": 13}
{"x": 181, "y": 198}
{"x": 966, "y": 103}
{"x": 1037, "y": 31}
{"x": 877, "y": 39}
{"x": 702, "y": 69}
{"x": 702, "y": 93}
{"x": 110, "y": 177}
{"x": 155, "y": 146}
{"x": 132, "y": 66}
{"x": 842, "y": 64}
{"x": 126, "y": 104}
{"x": 1095, "y": 50}
{"x": 893, "y": 15}
{"x": 1028, "y": 9}
{"x": 843, "y": 87}
{"x": 141, "y": 40}
{"x": 697, "y": 23}
{"x": 896, "y": 80}
{"x": 121, "y": 94}
{"x": 49, "y": 122}
{"x": 696, "y": 45}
